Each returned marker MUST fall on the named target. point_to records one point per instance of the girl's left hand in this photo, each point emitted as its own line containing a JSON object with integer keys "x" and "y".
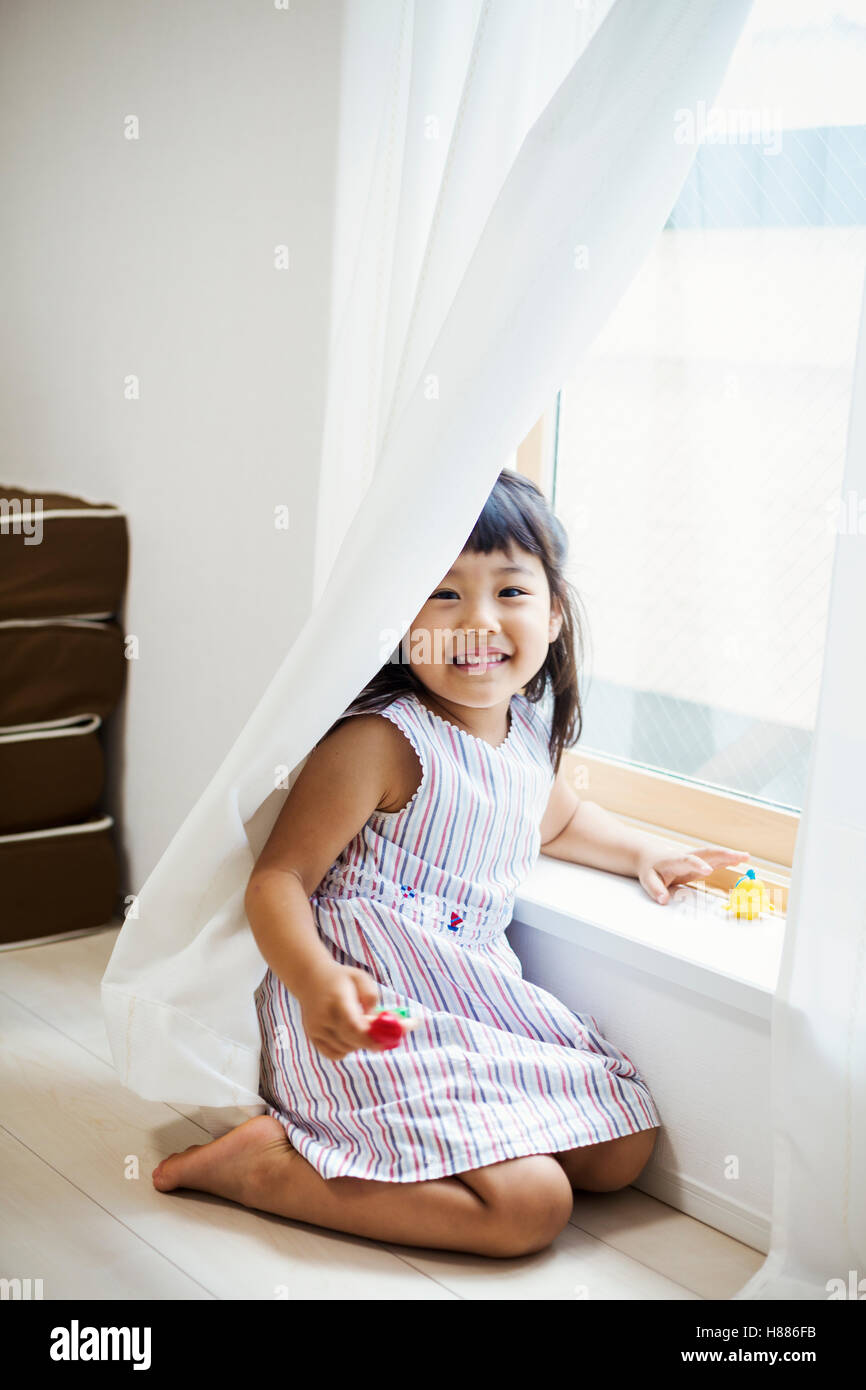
{"x": 657, "y": 874}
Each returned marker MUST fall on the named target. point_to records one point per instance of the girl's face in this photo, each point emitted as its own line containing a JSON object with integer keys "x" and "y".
{"x": 485, "y": 630}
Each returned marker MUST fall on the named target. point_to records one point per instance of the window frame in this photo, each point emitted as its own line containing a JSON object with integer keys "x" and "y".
{"x": 653, "y": 800}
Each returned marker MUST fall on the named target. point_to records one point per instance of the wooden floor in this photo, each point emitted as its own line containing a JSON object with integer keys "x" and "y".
{"x": 73, "y": 1213}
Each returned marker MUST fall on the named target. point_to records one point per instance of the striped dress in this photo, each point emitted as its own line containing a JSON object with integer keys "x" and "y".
{"x": 421, "y": 898}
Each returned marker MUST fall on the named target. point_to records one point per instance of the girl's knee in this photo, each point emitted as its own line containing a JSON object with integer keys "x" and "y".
{"x": 535, "y": 1202}
{"x": 643, "y": 1144}
{"x": 624, "y": 1160}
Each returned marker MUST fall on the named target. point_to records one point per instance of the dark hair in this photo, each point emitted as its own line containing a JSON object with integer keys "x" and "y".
{"x": 516, "y": 510}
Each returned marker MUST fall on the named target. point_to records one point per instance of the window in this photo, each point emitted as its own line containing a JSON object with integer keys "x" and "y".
{"x": 698, "y": 448}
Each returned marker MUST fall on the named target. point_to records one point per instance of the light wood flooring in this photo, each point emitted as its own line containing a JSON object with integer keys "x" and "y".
{"x": 70, "y": 1216}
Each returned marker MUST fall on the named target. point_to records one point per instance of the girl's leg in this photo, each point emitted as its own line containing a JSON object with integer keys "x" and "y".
{"x": 610, "y": 1165}
{"x": 511, "y": 1208}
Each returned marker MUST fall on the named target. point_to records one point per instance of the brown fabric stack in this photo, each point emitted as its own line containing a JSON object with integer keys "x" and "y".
{"x": 63, "y": 570}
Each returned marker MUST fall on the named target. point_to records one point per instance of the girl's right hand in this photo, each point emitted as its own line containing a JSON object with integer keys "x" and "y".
{"x": 333, "y": 1010}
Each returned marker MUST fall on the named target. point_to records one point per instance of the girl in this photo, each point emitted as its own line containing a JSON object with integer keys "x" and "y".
{"x": 389, "y": 879}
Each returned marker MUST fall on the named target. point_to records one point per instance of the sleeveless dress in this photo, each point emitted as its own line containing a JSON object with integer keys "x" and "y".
{"x": 420, "y": 898}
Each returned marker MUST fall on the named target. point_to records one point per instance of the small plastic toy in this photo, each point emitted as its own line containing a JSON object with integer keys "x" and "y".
{"x": 386, "y": 1027}
{"x": 750, "y": 900}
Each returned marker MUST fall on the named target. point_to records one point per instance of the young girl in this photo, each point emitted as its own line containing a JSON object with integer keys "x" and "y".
{"x": 389, "y": 879}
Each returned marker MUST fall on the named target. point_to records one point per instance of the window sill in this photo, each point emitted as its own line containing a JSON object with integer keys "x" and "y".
{"x": 690, "y": 940}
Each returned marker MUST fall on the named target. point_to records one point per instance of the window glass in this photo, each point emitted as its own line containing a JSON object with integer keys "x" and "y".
{"x": 701, "y": 441}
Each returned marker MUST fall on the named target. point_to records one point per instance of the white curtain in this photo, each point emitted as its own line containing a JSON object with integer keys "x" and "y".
{"x": 471, "y": 270}
{"x": 435, "y": 101}
{"x": 818, "y": 1237}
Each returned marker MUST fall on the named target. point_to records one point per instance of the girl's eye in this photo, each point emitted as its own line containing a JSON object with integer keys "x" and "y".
{"x": 440, "y": 593}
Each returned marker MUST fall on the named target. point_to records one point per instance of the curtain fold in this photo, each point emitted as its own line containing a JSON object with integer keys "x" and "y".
{"x": 818, "y": 1066}
{"x": 450, "y": 90}
{"x": 459, "y": 307}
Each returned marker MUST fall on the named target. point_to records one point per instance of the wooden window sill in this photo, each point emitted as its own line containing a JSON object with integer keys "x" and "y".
{"x": 690, "y": 940}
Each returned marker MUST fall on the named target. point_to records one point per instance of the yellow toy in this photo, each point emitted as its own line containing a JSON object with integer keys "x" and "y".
{"x": 750, "y": 900}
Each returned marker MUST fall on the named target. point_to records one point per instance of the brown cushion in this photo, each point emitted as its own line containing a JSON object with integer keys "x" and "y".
{"x": 53, "y": 563}
{"x": 55, "y": 668}
{"x": 56, "y": 880}
{"x": 50, "y": 775}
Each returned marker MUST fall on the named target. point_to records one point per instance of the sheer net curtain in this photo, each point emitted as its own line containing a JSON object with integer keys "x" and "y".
{"x": 818, "y": 1084}
{"x": 436, "y": 99}
{"x": 471, "y": 270}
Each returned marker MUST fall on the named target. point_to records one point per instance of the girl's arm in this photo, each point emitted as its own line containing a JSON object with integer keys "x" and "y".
{"x": 345, "y": 778}
{"x": 583, "y": 832}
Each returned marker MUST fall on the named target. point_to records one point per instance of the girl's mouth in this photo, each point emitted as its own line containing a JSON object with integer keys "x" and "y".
{"x": 478, "y": 665}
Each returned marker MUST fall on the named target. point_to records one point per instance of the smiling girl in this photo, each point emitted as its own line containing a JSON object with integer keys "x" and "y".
{"x": 389, "y": 879}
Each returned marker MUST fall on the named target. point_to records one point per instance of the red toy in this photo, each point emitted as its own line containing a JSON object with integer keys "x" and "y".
{"x": 387, "y": 1026}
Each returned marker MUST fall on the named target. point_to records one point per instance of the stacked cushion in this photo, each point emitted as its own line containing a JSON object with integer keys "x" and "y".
{"x": 63, "y": 570}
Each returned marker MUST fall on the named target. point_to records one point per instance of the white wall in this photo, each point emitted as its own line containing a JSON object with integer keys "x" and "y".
{"x": 156, "y": 257}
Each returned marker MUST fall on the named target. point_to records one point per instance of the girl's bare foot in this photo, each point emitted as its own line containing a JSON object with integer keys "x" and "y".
{"x": 226, "y": 1165}
{"x": 513, "y": 1207}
